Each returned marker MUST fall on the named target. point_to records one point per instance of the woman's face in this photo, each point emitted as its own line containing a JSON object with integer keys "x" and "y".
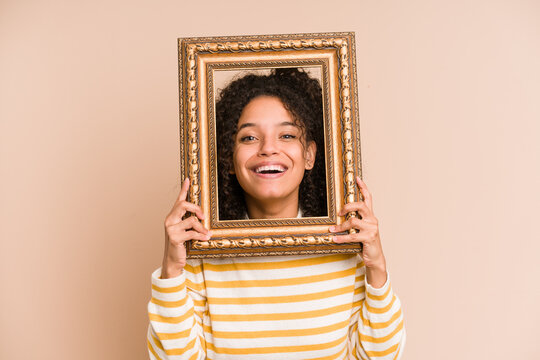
{"x": 270, "y": 156}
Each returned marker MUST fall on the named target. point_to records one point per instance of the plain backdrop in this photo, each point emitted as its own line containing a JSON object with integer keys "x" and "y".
{"x": 449, "y": 95}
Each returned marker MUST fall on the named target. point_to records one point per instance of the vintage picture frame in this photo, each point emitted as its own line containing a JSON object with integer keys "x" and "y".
{"x": 200, "y": 61}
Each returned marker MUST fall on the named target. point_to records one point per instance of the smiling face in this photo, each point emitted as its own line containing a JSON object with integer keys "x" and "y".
{"x": 270, "y": 158}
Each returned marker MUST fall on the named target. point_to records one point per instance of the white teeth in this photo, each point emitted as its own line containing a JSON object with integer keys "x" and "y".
{"x": 265, "y": 168}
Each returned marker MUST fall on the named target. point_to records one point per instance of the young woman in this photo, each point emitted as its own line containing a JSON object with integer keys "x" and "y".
{"x": 286, "y": 307}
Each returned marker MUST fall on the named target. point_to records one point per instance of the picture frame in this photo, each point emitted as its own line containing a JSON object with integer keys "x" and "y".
{"x": 205, "y": 60}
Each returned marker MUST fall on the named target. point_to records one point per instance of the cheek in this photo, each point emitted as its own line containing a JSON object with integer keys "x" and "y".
{"x": 240, "y": 156}
{"x": 298, "y": 154}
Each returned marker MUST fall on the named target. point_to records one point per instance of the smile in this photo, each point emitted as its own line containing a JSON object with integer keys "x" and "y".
{"x": 270, "y": 169}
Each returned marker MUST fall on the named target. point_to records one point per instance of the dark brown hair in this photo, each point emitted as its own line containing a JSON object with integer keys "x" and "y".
{"x": 301, "y": 95}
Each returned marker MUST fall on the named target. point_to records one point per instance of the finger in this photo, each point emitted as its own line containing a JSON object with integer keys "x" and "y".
{"x": 365, "y": 192}
{"x": 190, "y": 223}
{"x": 347, "y": 225}
{"x": 194, "y": 235}
{"x": 359, "y": 206}
{"x": 358, "y": 237}
{"x": 179, "y": 210}
{"x": 183, "y": 191}
{"x": 196, "y": 225}
{"x": 195, "y": 209}
{"x": 180, "y": 238}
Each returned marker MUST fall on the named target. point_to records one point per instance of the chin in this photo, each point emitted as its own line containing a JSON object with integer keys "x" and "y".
{"x": 270, "y": 196}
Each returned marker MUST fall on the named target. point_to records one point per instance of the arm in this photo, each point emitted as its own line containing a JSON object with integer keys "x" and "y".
{"x": 376, "y": 330}
{"x": 178, "y": 294}
{"x": 175, "y": 311}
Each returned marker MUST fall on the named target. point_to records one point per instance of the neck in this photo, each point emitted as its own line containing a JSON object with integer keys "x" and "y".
{"x": 272, "y": 209}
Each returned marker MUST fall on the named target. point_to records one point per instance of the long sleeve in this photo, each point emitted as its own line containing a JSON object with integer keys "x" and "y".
{"x": 377, "y": 330}
{"x": 267, "y": 308}
{"x": 176, "y": 311}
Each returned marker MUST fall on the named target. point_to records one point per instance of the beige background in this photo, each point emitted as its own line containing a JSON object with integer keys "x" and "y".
{"x": 449, "y": 106}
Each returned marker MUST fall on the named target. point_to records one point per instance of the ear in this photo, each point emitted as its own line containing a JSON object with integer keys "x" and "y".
{"x": 309, "y": 155}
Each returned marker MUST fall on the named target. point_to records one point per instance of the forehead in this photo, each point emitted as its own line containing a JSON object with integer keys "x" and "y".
{"x": 265, "y": 110}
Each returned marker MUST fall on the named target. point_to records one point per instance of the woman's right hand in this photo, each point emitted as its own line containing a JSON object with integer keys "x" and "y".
{"x": 178, "y": 231}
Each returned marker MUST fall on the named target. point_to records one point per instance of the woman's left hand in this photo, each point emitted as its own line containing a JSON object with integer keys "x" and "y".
{"x": 367, "y": 232}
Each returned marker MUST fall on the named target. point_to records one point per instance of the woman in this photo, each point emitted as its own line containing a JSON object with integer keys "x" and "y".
{"x": 287, "y": 307}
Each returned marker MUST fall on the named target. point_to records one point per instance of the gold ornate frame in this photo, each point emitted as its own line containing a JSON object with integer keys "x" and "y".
{"x": 334, "y": 53}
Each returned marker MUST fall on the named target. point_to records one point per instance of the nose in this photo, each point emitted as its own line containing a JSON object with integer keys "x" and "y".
{"x": 268, "y": 147}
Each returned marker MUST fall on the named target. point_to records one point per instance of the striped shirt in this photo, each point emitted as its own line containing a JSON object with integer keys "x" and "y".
{"x": 286, "y": 307}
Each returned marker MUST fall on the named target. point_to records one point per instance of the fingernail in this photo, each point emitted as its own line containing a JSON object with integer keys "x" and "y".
{"x": 332, "y": 228}
{"x": 334, "y": 238}
{"x": 208, "y": 236}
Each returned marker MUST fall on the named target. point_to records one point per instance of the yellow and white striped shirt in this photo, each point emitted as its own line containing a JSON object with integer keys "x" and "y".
{"x": 287, "y": 307}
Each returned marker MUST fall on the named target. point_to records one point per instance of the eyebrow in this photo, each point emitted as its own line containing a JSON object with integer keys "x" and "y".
{"x": 285, "y": 123}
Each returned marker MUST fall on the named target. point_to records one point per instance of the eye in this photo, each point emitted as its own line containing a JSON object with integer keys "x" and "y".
{"x": 288, "y": 136}
{"x": 247, "y": 138}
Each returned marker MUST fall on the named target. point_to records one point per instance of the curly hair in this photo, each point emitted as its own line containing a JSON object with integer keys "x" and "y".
{"x": 301, "y": 95}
